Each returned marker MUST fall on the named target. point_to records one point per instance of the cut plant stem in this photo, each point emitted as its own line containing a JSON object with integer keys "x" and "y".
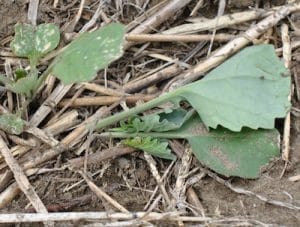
{"x": 136, "y": 110}
{"x": 162, "y": 135}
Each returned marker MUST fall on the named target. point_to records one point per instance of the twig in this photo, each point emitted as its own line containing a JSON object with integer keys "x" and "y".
{"x": 55, "y": 3}
{"x": 104, "y": 100}
{"x": 55, "y": 97}
{"x": 21, "y": 178}
{"x": 32, "y": 11}
{"x": 102, "y": 195}
{"x": 287, "y": 57}
{"x": 180, "y": 188}
{"x": 102, "y": 90}
{"x": 197, "y": 6}
{"x": 193, "y": 199}
{"x": 144, "y": 16}
{"x": 221, "y": 9}
{"x": 166, "y": 173}
{"x": 104, "y": 216}
{"x": 159, "y": 17}
{"x": 294, "y": 178}
{"x": 59, "y": 124}
{"x": 233, "y": 46}
{"x": 176, "y": 38}
{"x": 200, "y": 24}
{"x": 9, "y": 194}
{"x": 158, "y": 178}
{"x": 71, "y": 26}
{"x": 94, "y": 19}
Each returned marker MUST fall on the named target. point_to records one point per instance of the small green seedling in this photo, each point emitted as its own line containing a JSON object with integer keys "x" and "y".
{"x": 79, "y": 61}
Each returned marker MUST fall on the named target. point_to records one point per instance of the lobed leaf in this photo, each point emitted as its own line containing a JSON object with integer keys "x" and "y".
{"x": 157, "y": 122}
{"x": 155, "y": 147}
{"x": 90, "y": 52}
{"x": 249, "y": 90}
{"x": 11, "y": 123}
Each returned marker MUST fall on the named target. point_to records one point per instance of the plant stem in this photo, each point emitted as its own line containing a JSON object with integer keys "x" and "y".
{"x": 136, "y": 110}
{"x": 162, "y": 135}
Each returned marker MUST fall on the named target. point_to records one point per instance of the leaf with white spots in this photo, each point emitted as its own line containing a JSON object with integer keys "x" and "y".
{"x": 33, "y": 42}
{"x": 23, "y": 42}
{"x": 46, "y": 38}
{"x": 90, "y": 52}
{"x": 11, "y": 123}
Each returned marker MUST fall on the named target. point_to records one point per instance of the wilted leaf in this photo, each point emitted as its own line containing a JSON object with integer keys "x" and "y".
{"x": 155, "y": 147}
{"x": 89, "y": 53}
{"x": 249, "y": 90}
{"x": 33, "y": 42}
{"x": 12, "y": 124}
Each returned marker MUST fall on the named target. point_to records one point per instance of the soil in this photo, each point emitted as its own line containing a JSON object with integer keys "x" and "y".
{"x": 128, "y": 179}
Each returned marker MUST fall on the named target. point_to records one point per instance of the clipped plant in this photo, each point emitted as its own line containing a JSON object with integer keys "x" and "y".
{"x": 246, "y": 93}
{"x": 236, "y": 104}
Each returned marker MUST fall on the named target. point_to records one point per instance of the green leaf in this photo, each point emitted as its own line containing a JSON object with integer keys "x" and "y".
{"x": 157, "y": 122}
{"x": 241, "y": 154}
{"x": 33, "y": 42}
{"x": 155, "y": 147}
{"x": 25, "y": 85}
{"x": 89, "y": 53}
{"x": 20, "y": 73}
{"x": 11, "y": 123}
{"x": 249, "y": 90}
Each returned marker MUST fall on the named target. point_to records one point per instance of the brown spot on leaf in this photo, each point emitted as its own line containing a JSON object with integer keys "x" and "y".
{"x": 217, "y": 152}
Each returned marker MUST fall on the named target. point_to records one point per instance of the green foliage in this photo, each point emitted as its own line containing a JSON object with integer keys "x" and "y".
{"x": 26, "y": 85}
{"x": 33, "y": 42}
{"x": 161, "y": 122}
{"x": 11, "y": 123}
{"x": 241, "y": 154}
{"x": 248, "y": 90}
{"x": 89, "y": 53}
{"x": 155, "y": 147}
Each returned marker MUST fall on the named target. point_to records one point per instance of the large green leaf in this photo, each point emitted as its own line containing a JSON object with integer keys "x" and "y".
{"x": 33, "y": 42}
{"x": 89, "y": 53}
{"x": 249, "y": 90}
{"x": 11, "y": 123}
